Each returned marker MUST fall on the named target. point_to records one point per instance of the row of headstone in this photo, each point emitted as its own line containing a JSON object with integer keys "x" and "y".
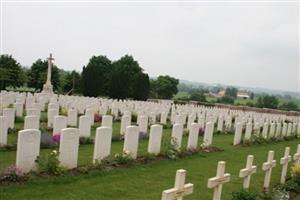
{"x": 181, "y": 189}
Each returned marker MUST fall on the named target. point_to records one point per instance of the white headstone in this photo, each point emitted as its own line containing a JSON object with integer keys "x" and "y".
{"x": 143, "y": 124}
{"x": 248, "y": 132}
{"x": 102, "y": 143}
{"x": 28, "y": 148}
{"x": 3, "y": 130}
{"x": 68, "y": 147}
{"x": 59, "y": 123}
{"x": 10, "y": 114}
{"x": 51, "y": 113}
{"x": 72, "y": 117}
{"x": 155, "y": 139}
{"x": 32, "y": 122}
{"x": 193, "y": 136}
{"x": 107, "y": 120}
{"x": 208, "y": 134}
{"x": 125, "y": 121}
{"x": 84, "y": 126}
{"x": 177, "y": 132}
{"x": 131, "y": 140}
{"x": 238, "y": 133}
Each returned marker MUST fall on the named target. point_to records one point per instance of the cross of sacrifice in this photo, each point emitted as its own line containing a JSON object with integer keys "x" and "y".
{"x": 284, "y": 161}
{"x": 50, "y": 59}
{"x": 297, "y": 155}
{"x": 267, "y": 167}
{"x": 247, "y": 172}
{"x": 217, "y": 182}
{"x": 180, "y": 189}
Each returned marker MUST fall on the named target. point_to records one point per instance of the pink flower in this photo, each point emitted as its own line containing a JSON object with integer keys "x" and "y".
{"x": 201, "y": 131}
{"x": 97, "y": 117}
{"x": 56, "y": 138}
{"x": 13, "y": 170}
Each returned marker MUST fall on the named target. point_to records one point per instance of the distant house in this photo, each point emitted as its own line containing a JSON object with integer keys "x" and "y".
{"x": 243, "y": 95}
{"x": 221, "y": 93}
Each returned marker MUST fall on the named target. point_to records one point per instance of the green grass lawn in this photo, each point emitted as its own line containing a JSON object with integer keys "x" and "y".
{"x": 147, "y": 181}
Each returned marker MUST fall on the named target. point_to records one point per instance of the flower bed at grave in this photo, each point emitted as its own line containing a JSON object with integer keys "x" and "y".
{"x": 49, "y": 165}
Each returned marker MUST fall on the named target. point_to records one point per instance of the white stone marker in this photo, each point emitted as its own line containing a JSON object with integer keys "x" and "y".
{"x": 28, "y": 148}
{"x": 3, "y": 130}
{"x": 208, "y": 134}
{"x": 238, "y": 133}
{"x": 59, "y": 123}
{"x": 51, "y": 114}
{"x": 248, "y": 132}
{"x": 267, "y": 167}
{"x": 32, "y": 122}
{"x": 284, "y": 161}
{"x": 265, "y": 130}
{"x": 220, "y": 123}
{"x": 180, "y": 189}
{"x": 217, "y": 182}
{"x": 193, "y": 136}
{"x": 10, "y": 114}
{"x": 155, "y": 139}
{"x": 289, "y": 129}
{"x": 107, "y": 120}
{"x": 84, "y": 126}
{"x": 125, "y": 121}
{"x": 297, "y": 155}
{"x": 143, "y": 124}
{"x": 68, "y": 147}
{"x": 177, "y": 132}
{"x": 102, "y": 143}
{"x": 163, "y": 117}
{"x": 284, "y": 129}
{"x": 90, "y": 113}
{"x": 131, "y": 140}
{"x": 247, "y": 172}
{"x": 278, "y": 130}
{"x": 19, "y": 109}
{"x": 272, "y": 130}
{"x": 72, "y": 117}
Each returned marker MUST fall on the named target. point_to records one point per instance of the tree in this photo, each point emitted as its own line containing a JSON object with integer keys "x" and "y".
{"x": 72, "y": 82}
{"x": 289, "y": 106}
{"x": 11, "y": 73}
{"x": 197, "y": 95}
{"x": 127, "y": 80}
{"x": 95, "y": 76}
{"x": 141, "y": 87}
{"x": 37, "y": 75}
{"x": 231, "y": 91}
{"x": 226, "y": 99}
{"x": 164, "y": 87}
{"x": 267, "y": 101}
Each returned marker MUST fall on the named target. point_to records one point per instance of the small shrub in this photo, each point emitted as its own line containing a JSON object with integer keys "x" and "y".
{"x": 148, "y": 157}
{"x": 19, "y": 119}
{"x": 244, "y": 195}
{"x": 172, "y": 150}
{"x": 50, "y": 164}
{"x": 12, "y": 131}
{"x": 8, "y": 147}
{"x": 47, "y": 141}
{"x": 124, "y": 158}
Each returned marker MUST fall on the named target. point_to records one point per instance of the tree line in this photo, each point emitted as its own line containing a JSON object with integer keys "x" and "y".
{"x": 120, "y": 79}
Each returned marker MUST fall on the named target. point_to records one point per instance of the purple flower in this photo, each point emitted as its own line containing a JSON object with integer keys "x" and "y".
{"x": 56, "y": 138}
{"x": 142, "y": 135}
{"x": 97, "y": 117}
{"x": 201, "y": 131}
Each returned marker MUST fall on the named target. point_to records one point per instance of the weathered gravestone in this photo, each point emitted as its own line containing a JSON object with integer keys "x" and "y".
{"x": 68, "y": 147}
{"x": 32, "y": 122}
{"x": 28, "y": 148}
{"x": 102, "y": 143}
{"x": 131, "y": 141}
{"x": 3, "y": 130}
{"x": 155, "y": 139}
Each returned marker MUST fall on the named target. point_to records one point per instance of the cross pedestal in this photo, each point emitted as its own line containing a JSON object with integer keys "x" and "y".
{"x": 47, "y": 87}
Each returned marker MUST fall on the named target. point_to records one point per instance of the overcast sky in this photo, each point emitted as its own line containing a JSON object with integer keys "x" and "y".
{"x": 244, "y": 44}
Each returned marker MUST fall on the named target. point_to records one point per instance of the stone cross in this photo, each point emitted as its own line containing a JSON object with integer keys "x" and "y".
{"x": 180, "y": 188}
{"x": 297, "y": 155}
{"x": 267, "y": 167}
{"x": 50, "y": 59}
{"x": 217, "y": 182}
{"x": 284, "y": 161}
{"x": 247, "y": 172}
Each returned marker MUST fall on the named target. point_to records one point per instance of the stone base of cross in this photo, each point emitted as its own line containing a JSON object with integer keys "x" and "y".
{"x": 47, "y": 89}
{"x": 180, "y": 189}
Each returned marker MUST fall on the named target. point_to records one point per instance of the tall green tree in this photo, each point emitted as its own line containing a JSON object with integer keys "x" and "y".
{"x": 127, "y": 80}
{"x": 11, "y": 73}
{"x": 164, "y": 87}
{"x": 95, "y": 76}
{"x": 37, "y": 75}
{"x": 231, "y": 91}
{"x": 289, "y": 106}
{"x": 267, "y": 101}
{"x": 72, "y": 83}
